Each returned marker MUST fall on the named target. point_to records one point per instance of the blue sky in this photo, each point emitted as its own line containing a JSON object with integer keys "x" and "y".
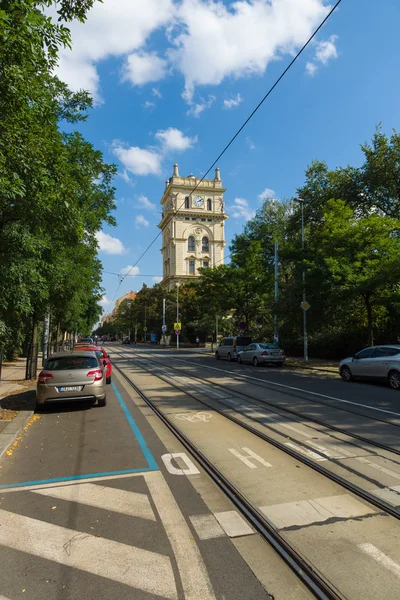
{"x": 174, "y": 79}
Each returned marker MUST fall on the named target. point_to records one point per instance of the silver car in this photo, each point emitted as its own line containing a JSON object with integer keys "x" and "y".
{"x": 72, "y": 376}
{"x": 230, "y": 346}
{"x": 262, "y": 353}
{"x": 381, "y": 363}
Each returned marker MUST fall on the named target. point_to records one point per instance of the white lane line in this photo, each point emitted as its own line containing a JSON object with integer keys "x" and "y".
{"x": 138, "y": 568}
{"x": 39, "y": 486}
{"x": 381, "y": 558}
{"x": 233, "y": 524}
{"x": 365, "y": 461}
{"x": 246, "y": 460}
{"x": 308, "y": 512}
{"x": 206, "y": 527}
{"x": 195, "y": 581}
{"x": 291, "y": 387}
{"x": 330, "y": 450}
{"x": 390, "y": 494}
{"x": 306, "y": 451}
{"x": 107, "y": 498}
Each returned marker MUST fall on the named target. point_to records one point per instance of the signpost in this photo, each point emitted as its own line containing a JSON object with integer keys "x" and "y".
{"x": 304, "y": 305}
{"x": 178, "y": 328}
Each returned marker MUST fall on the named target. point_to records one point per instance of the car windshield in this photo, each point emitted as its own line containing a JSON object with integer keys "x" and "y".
{"x": 269, "y": 346}
{"x": 67, "y": 363}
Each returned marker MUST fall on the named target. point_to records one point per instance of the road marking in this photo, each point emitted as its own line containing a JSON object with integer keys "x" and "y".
{"x": 365, "y": 461}
{"x": 194, "y": 577}
{"x": 233, "y": 524}
{"x": 390, "y": 494}
{"x": 207, "y": 527}
{"x": 191, "y": 467}
{"x": 330, "y": 450}
{"x": 306, "y": 451}
{"x": 136, "y": 431}
{"x": 308, "y": 512}
{"x": 107, "y": 498}
{"x": 290, "y": 387}
{"x": 138, "y": 568}
{"x": 194, "y": 418}
{"x": 247, "y": 461}
{"x": 381, "y": 558}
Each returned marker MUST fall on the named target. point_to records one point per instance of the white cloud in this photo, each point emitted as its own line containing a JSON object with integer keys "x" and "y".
{"x": 105, "y": 302}
{"x": 156, "y": 93}
{"x": 141, "y": 68}
{"x": 141, "y": 222}
{"x": 113, "y": 28}
{"x": 250, "y": 143}
{"x": 148, "y": 104}
{"x": 144, "y": 202}
{"x": 109, "y": 244}
{"x": 196, "y": 109}
{"x": 214, "y": 41}
{"x": 138, "y": 160}
{"x": 174, "y": 139}
{"x": 241, "y": 209}
{"x": 233, "y": 102}
{"x": 324, "y": 52}
{"x": 267, "y": 194}
{"x": 157, "y": 279}
{"x": 130, "y": 269}
{"x": 125, "y": 176}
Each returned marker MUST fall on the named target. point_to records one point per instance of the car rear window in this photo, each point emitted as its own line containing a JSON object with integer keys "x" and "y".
{"x": 66, "y": 363}
{"x": 228, "y": 342}
{"x": 243, "y": 341}
{"x": 269, "y": 346}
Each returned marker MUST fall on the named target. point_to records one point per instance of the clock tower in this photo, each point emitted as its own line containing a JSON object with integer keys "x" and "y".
{"x": 192, "y": 224}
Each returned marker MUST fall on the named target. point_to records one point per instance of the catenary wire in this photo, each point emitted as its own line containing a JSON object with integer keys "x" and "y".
{"x": 271, "y": 89}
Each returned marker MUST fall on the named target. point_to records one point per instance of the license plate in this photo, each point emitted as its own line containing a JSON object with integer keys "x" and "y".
{"x": 275, "y": 353}
{"x": 70, "y": 388}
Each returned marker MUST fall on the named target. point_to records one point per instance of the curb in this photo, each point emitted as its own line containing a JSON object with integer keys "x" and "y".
{"x": 13, "y": 429}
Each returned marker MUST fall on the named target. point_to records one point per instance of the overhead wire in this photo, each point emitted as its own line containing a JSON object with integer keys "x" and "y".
{"x": 271, "y": 89}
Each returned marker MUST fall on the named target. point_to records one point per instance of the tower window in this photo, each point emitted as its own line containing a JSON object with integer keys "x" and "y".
{"x": 204, "y": 244}
{"x": 191, "y": 267}
{"x": 191, "y": 247}
{"x": 206, "y": 264}
{"x": 209, "y": 204}
{"x": 187, "y": 202}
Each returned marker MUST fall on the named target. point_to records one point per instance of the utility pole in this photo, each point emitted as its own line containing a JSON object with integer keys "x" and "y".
{"x": 216, "y": 330}
{"x": 276, "y": 295}
{"x": 46, "y": 331}
{"x": 145, "y": 324}
{"x": 177, "y": 313}
{"x": 304, "y": 304}
{"x": 164, "y": 327}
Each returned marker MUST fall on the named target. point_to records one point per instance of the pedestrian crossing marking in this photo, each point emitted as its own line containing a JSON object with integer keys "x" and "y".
{"x": 141, "y": 569}
{"x": 107, "y": 498}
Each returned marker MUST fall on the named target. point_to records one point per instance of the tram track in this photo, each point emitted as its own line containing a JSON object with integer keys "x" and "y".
{"x": 365, "y": 495}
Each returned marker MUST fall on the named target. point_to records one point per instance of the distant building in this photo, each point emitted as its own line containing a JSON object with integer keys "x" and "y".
{"x": 108, "y": 318}
{"x": 192, "y": 224}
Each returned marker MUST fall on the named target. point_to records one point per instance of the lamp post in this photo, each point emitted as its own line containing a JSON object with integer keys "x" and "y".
{"x": 304, "y": 304}
{"x": 177, "y": 313}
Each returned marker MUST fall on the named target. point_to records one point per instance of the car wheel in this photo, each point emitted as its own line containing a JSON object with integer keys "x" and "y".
{"x": 230, "y": 357}
{"x": 217, "y": 356}
{"x": 394, "y": 380}
{"x": 102, "y": 401}
{"x": 346, "y": 374}
{"x": 108, "y": 380}
{"x": 239, "y": 360}
{"x": 255, "y": 361}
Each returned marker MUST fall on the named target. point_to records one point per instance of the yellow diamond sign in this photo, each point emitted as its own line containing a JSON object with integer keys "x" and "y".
{"x": 304, "y": 305}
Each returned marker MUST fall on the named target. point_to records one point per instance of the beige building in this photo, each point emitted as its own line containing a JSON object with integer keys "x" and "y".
{"x": 192, "y": 224}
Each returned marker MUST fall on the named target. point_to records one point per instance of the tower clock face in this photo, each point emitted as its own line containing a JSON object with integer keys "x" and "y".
{"x": 198, "y": 201}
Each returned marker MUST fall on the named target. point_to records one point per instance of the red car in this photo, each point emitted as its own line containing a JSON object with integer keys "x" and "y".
{"x": 102, "y": 355}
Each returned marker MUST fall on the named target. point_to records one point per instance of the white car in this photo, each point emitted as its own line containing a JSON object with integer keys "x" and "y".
{"x": 381, "y": 363}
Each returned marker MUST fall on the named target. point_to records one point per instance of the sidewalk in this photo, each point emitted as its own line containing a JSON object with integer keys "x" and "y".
{"x": 15, "y": 394}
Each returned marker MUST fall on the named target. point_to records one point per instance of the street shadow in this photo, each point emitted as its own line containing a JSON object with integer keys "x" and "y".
{"x": 19, "y": 401}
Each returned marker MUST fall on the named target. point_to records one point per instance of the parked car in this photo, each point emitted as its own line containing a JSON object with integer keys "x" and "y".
{"x": 230, "y": 346}
{"x": 87, "y": 340}
{"x": 261, "y": 353}
{"x": 72, "y": 376}
{"x": 102, "y": 356}
{"x": 381, "y": 363}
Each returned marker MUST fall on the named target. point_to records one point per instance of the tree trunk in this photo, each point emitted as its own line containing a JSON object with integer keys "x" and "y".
{"x": 368, "y": 306}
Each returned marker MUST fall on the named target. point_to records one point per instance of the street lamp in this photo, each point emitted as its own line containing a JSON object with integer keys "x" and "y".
{"x": 304, "y": 305}
{"x": 177, "y": 312}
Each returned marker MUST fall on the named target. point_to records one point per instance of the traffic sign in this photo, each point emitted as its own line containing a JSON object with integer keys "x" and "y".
{"x": 177, "y": 331}
{"x": 304, "y": 305}
{"x": 164, "y": 328}
{"x": 144, "y": 328}
{"x": 177, "y": 326}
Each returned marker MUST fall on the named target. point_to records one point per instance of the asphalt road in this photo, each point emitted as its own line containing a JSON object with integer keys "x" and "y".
{"x": 89, "y": 510}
